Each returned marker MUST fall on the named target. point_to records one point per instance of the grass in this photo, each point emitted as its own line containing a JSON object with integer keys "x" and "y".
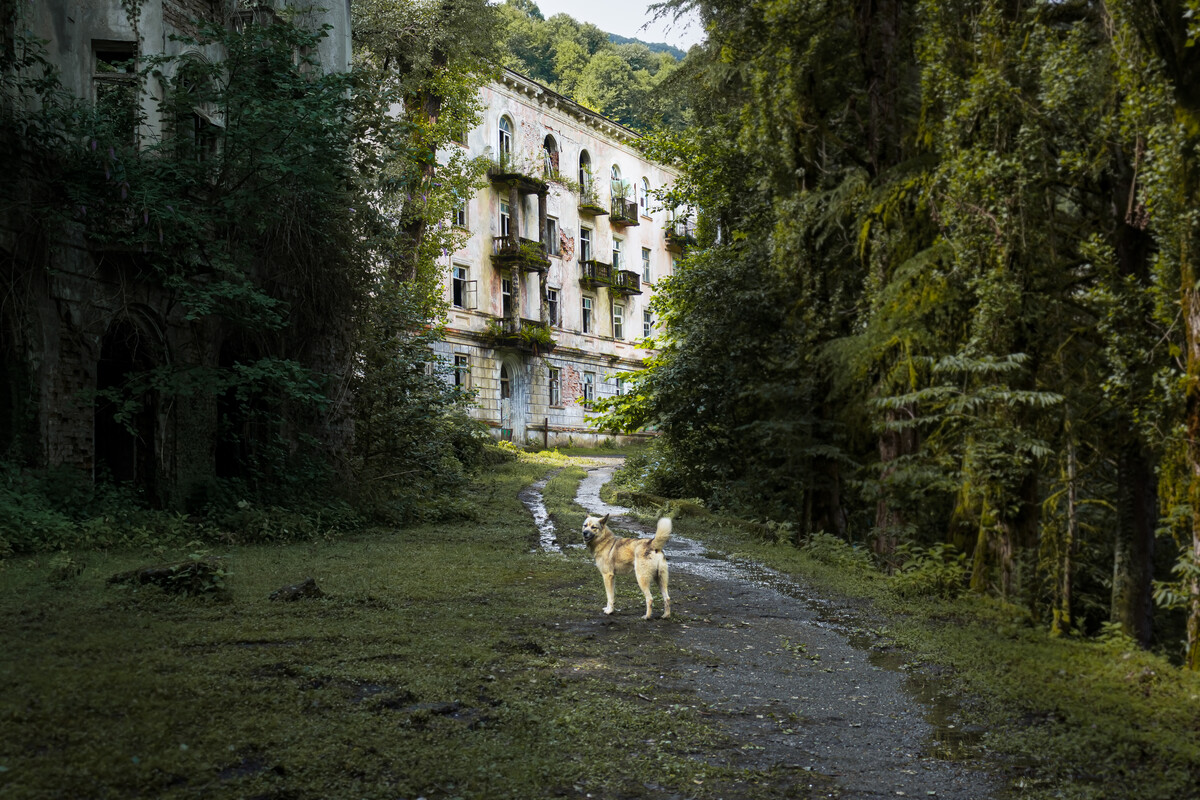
{"x": 444, "y": 661}
{"x": 1077, "y": 718}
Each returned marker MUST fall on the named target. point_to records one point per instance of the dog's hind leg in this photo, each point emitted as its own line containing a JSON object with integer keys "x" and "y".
{"x": 662, "y": 575}
{"x": 608, "y": 590}
{"x": 644, "y": 576}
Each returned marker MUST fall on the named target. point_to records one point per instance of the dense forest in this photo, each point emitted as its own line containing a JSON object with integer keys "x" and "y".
{"x": 945, "y": 306}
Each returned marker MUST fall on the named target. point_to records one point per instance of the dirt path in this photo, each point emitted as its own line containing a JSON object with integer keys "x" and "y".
{"x": 821, "y": 708}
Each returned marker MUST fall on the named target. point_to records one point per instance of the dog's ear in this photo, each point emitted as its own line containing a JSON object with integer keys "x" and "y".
{"x": 604, "y": 520}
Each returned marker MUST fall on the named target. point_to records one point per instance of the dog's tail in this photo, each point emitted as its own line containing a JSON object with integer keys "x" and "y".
{"x": 662, "y": 534}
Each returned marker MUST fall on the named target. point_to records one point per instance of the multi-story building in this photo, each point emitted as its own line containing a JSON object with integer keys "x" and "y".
{"x": 550, "y": 295}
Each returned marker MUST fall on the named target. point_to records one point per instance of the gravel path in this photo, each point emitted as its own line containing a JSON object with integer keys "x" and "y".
{"x": 821, "y": 708}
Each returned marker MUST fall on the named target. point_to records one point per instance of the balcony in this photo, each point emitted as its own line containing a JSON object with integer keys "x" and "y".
{"x": 526, "y": 335}
{"x": 625, "y": 282}
{"x": 589, "y": 202}
{"x": 624, "y": 212}
{"x": 523, "y": 254}
{"x": 593, "y": 274}
{"x": 680, "y": 234}
{"x": 511, "y": 171}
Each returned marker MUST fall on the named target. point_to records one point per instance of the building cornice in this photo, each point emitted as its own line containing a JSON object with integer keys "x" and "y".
{"x": 551, "y": 99}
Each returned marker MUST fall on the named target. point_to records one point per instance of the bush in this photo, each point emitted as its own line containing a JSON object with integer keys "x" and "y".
{"x": 836, "y": 552}
{"x": 937, "y": 571}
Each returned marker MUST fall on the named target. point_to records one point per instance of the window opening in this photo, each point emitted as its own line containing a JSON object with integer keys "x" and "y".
{"x": 505, "y": 218}
{"x": 552, "y": 307}
{"x": 505, "y": 383}
{"x": 585, "y": 244}
{"x": 505, "y": 143}
{"x": 462, "y": 371}
{"x": 618, "y": 320}
{"x": 551, "y": 239}
{"x": 555, "y": 386}
{"x": 587, "y": 315}
{"x": 646, "y": 264}
{"x": 506, "y": 299}
{"x": 589, "y": 387}
{"x": 647, "y": 324}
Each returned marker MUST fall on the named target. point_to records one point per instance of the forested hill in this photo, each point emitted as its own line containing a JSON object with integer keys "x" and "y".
{"x": 625, "y": 79}
{"x": 654, "y": 47}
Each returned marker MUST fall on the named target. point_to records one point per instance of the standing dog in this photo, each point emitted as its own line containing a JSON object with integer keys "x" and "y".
{"x": 617, "y": 555}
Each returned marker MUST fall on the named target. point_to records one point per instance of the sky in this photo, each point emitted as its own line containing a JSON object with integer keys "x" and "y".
{"x": 626, "y": 17}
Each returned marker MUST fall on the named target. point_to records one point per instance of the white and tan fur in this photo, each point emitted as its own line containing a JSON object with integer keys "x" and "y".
{"x": 617, "y": 555}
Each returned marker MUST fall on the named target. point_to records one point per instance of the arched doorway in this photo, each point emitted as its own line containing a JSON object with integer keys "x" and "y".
{"x": 514, "y": 400}
{"x": 126, "y": 409}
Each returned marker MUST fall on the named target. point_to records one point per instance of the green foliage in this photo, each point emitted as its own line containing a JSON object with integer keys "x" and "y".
{"x": 831, "y": 550}
{"x": 936, "y": 571}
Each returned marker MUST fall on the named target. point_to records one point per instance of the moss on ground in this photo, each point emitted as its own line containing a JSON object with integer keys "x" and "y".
{"x": 1076, "y": 718}
{"x": 444, "y": 661}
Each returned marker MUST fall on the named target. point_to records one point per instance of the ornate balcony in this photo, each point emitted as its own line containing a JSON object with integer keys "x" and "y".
{"x": 526, "y": 335}
{"x": 523, "y": 254}
{"x": 626, "y": 282}
{"x": 624, "y": 212}
{"x": 510, "y": 171}
{"x": 594, "y": 274}
{"x": 680, "y": 234}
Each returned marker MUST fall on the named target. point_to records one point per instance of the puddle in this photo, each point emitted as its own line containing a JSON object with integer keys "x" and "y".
{"x": 532, "y": 497}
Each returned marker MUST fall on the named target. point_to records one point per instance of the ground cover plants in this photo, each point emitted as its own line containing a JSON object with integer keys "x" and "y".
{"x": 444, "y": 660}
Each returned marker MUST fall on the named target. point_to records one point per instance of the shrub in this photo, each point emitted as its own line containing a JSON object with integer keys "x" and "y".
{"x": 836, "y": 552}
{"x": 937, "y": 571}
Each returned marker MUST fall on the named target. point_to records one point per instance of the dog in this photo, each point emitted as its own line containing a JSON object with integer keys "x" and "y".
{"x": 616, "y": 555}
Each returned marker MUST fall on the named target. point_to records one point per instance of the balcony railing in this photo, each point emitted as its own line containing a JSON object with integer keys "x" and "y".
{"x": 626, "y": 282}
{"x": 680, "y": 233}
{"x": 522, "y": 254}
{"x": 528, "y": 335}
{"x": 510, "y": 170}
{"x": 589, "y": 201}
{"x": 594, "y": 274}
{"x": 624, "y": 212}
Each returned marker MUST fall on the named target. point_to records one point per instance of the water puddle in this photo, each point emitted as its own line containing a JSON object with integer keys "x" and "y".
{"x": 532, "y": 497}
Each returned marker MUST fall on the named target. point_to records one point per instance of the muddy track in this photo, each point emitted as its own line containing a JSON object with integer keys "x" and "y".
{"x": 820, "y": 705}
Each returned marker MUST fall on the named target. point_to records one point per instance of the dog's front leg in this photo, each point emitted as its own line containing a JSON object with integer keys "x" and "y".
{"x": 608, "y": 589}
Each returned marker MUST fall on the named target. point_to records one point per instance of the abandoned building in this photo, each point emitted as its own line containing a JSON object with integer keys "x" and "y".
{"x": 77, "y": 317}
{"x": 550, "y": 295}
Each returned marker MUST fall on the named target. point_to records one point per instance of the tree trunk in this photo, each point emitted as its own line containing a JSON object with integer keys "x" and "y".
{"x": 1133, "y": 558}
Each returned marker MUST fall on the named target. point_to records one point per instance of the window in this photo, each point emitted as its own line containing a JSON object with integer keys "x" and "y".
{"x": 505, "y": 143}
{"x": 587, "y": 315}
{"x": 616, "y": 251}
{"x": 585, "y": 171}
{"x": 460, "y": 136}
{"x": 551, "y": 240}
{"x": 115, "y": 81}
{"x": 618, "y": 321}
{"x": 615, "y": 180}
{"x": 585, "y": 244}
{"x": 505, "y": 383}
{"x": 462, "y": 291}
{"x": 506, "y": 299}
{"x": 644, "y": 199}
{"x": 460, "y": 214}
{"x": 552, "y": 307}
{"x": 647, "y": 325}
{"x": 462, "y": 372}
{"x": 589, "y": 387}
{"x": 620, "y": 382}
{"x": 646, "y": 264}
{"x": 550, "y": 158}
{"x": 505, "y": 218}
{"x": 555, "y": 386}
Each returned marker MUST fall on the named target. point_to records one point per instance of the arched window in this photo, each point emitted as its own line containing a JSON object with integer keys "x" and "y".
{"x": 615, "y": 180}
{"x": 549, "y": 158}
{"x": 644, "y": 199}
{"x": 505, "y": 383}
{"x": 506, "y": 136}
{"x": 585, "y": 171}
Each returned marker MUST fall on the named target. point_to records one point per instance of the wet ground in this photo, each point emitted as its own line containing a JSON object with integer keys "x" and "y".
{"x": 820, "y": 704}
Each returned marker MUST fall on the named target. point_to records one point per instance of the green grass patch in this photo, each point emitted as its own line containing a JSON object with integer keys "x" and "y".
{"x": 446, "y": 660}
{"x": 1084, "y": 719}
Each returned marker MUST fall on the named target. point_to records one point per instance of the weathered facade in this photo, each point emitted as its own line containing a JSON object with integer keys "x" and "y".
{"x": 76, "y": 317}
{"x": 550, "y": 295}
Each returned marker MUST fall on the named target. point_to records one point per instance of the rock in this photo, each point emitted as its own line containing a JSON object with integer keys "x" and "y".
{"x": 299, "y": 591}
{"x": 194, "y": 576}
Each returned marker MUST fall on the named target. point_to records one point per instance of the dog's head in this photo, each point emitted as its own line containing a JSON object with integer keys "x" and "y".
{"x": 592, "y": 526}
